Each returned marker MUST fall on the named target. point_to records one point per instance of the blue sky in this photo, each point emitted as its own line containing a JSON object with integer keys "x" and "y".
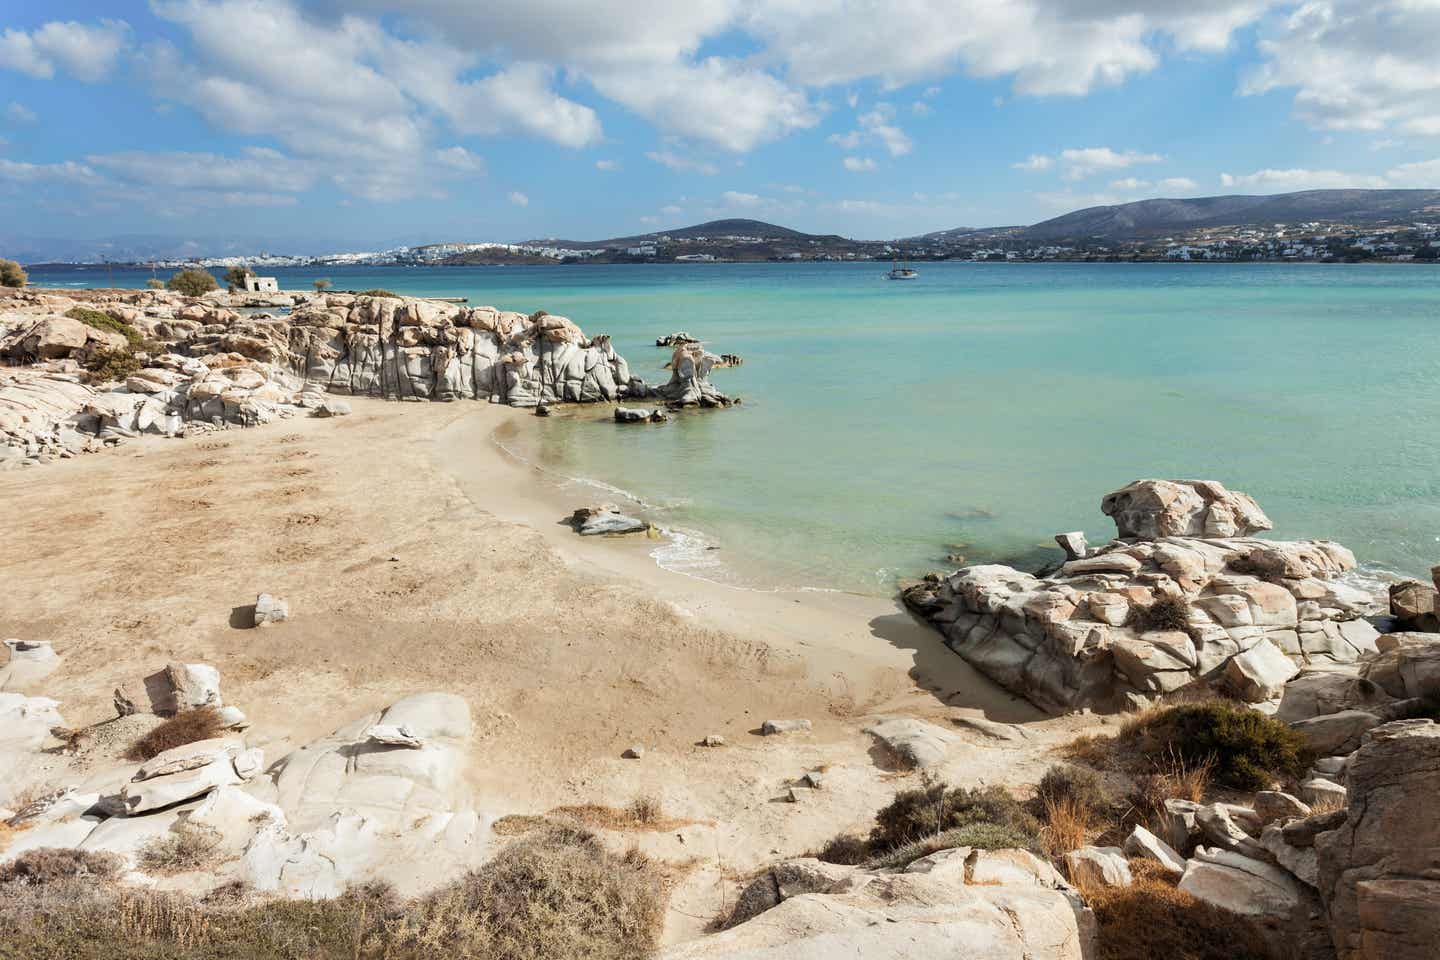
{"x": 309, "y": 125}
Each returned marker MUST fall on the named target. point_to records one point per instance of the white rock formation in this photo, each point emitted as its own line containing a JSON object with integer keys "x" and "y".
{"x": 1236, "y": 610}
{"x": 917, "y": 744}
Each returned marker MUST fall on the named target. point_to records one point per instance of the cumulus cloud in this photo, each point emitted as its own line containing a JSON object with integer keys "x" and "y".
{"x": 459, "y": 159}
{"x": 1129, "y": 183}
{"x": 607, "y": 165}
{"x": 17, "y": 112}
{"x": 1178, "y": 183}
{"x": 88, "y": 52}
{"x": 1282, "y": 181}
{"x": 875, "y": 126}
{"x": 1088, "y": 161}
{"x": 671, "y": 210}
{"x": 68, "y": 172}
{"x": 1356, "y": 65}
{"x": 859, "y": 164}
{"x": 519, "y": 199}
{"x": 257, "y": 169}
{"x": 733, "y": 198}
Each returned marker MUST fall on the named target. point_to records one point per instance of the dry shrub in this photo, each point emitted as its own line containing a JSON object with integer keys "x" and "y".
{"x": 1067, "y": 825}
{"x": 188, "y": 846}
{"x": 977, "y": 836}
{"x": 1247, "y": 750}
{"x": 846, "y": 849}
{"x": 1168, "y": 612}
{"x": 1152, "y": 919}
{"x": 48, "y": 865}
{"x": 1091, "y": 749}
{"x": 1172, "y": 779}
{"x": 188, "y": 726}
{"x": 1326, "y": 804}
{"x": 646, "y": 810}
{"x": 923, "y": 812}
{"x": 1073, "y": 785}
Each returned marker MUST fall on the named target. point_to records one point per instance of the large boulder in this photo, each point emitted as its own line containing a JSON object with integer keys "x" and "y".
{"x": 1152, "y": 509}
{"x": 189, "y": 771}
{"x": 1171, "y": 606}
{"x": 979, "y": 904}
{"x": 1406, "y": 665}
{"x": 1379, "y": 870}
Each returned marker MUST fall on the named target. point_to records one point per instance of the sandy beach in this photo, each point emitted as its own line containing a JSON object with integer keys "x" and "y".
{"x": 417, "y": 555}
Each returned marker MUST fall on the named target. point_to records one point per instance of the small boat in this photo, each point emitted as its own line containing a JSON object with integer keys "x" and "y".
{"x": 898, "y": 272}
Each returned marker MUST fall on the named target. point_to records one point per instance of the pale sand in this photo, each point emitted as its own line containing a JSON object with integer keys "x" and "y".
{"x": 568, "y": 649}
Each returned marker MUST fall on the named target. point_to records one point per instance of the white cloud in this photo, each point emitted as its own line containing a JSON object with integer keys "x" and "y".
{"x": 1356, "y": 65}
{"x": 1036, "y": 161}
{"x": 88, "y": 52}
{"x": 920, "y": 108}
{"x": 675, "y": 161}
{"x": 1282, "y": 181}
{"x": 19, "y": 113}
{"x": 875, "y": 126}
{"x": 257, "y": 169}
{"x": 607, "y": 165}
{"x": 650, "y": 221}
{"x": 859, "y": 164}
{"x": 671, "y": 210}
{"x": 1178, "y": 183}
{"x": 749, "y": 201}
{"x": 1088, "y": 161}
{"x": 68, "y": 172}
{"x": 1129, "y": 183}
{"x": 519, "y": 199}
{"x": 459, "y": 159}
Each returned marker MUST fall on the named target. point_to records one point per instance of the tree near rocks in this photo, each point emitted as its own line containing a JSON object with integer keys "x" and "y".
{"x": 322, "y": 285}
{"x": 235, "y": 277}
{"x": 193, "y": 282}
{"x": 11, "y": 275}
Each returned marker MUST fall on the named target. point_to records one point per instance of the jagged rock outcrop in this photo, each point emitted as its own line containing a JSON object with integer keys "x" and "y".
{"x": 205, "y": 362}
{"x": 987, "y": 904}
{"x": 1157, "y": 609}
{"x": 1379, "y": 870}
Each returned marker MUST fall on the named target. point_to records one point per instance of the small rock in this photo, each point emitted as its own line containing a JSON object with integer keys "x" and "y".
{"x": 713, "y": 740}
{"x": 658, "y": 416}
{"x": 333, "y": 408}
{"x": 631, "y": 415}
{"x": 771, "y": 727}
{"x": 1145, "y": 845}
{"x": 270, "y": 609}
{"x": 813, "y": 779}
{"x": 1073, "y": 544}
{"x": 541, "y": 410}
{"x": 1098, "y": 867}
{"x": 1320, "y": 789}
{"x": 1273, "y": 805}
{"x": 396, "y": 735}
{"x": 634, "y": 752}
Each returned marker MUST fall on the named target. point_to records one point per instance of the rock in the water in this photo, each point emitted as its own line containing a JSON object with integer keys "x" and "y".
{"x": 1152, "y": 509}
{"x": 1145, "y": 845}
{"x": 917, "y": 744}
{"x": 270, "y": 609}
{"x": 772, "y": 727}
{"x": 631, "y": 415}
{"x": 1098, "y": 867}
{"x": 1380, "y": 867}
{"x": 603, "y": 519}
{"x": 1413, "y": 605}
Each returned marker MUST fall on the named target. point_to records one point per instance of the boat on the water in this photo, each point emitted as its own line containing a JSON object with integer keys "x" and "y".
{"x": 900, "y": 270}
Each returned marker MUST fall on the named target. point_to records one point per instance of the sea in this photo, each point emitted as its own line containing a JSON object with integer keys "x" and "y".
{"x": 889, "y": 428}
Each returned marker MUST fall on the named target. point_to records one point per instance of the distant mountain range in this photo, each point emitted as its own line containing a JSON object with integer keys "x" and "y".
{"x": 1145, "y": 219}
{"x": 1139, "y": 222}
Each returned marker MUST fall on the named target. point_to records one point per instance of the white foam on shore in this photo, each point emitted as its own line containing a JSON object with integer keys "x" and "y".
{"x": 686, "y": 552}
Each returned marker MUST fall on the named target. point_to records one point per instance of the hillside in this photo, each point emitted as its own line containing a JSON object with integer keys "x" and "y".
{"x": 1152, "y": 218}
{"x": 709, "y": 230}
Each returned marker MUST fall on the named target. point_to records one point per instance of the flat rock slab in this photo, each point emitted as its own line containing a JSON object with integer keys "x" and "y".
{"x": 918, "y": 744}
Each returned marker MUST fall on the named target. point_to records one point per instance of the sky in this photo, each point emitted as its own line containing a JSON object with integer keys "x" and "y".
{"x": 308, "y": 126}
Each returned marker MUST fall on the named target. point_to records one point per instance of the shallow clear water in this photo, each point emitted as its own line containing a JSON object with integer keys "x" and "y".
{"x": 984, "y": 407}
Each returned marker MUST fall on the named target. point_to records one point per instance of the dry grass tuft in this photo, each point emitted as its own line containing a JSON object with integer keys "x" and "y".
{"x": 642, "y": 813}
{"x": 645, "y": 810}
{"x": 189, "y": 726}
{"x": 188, "y": 846}
{"x": 1152, "y": 918}
{"x": 49, "y": 865}
{"x": 846, "y": 849}
{"x": 1324, "y": 805}
{"x": 1172, "y": 778}
{"x": 1067, "y": 825}
{"x": 1091, "y": 749}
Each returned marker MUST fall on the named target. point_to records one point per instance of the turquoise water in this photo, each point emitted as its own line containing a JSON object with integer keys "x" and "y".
{"x": 984, "y": 407}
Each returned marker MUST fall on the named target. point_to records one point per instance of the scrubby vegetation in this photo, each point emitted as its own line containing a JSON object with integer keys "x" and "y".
{"x": 154, "y": 284}
{"x": 56, "y": 864}
{"x": 11, "y": 274}
{"x": 322, "y": 285}
{"x": 1244, "y": 748}
{"x": 193, "y": 282}
{"x": 558, "y": 896}
{"x": 378, "y": 293}
{"x": 1168, "y": 612}
{"x": 235, "y": 277}
{"x": 188, "y": 726}
{"x": 103, "y": 321}
{"x": 933, "y": 817}
{"x": 1070, "y": 802}
{"x": 1152, "y": 918}
{"x": 188, "y": 846}
{"x": 103, "y": 365}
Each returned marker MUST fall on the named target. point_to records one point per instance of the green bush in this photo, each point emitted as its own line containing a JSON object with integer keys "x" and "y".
{"x": 1245, "y": 749}
{"x": 104, "y": 365}
{"x": 845, "y": 848}
{"x": 11, "y": 275}
{"x": 378, "y": 293}
{"x": 924, "y": 812}
{"x": 193, "y": 282}
{"x": 103, "y": 321}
